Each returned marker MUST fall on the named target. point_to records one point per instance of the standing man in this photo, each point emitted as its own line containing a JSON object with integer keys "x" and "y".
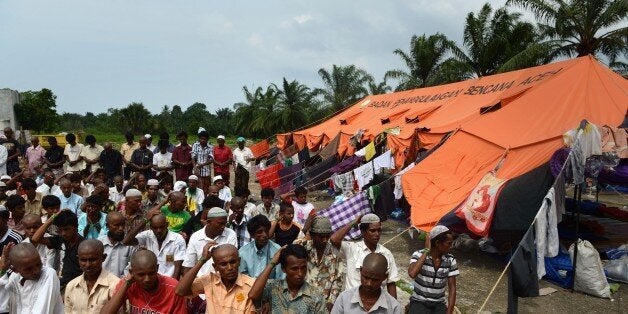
{"x": 182, "y": 158}
{"x": 72, "y": 154}
{"x": 242, "y": 163}
{"x": 146, "y": 290}
{"x": 4, "y": 155}
{"x": 162, "y": 159}
{"x": 223, "y": 157}
{"x": 354, "y": 252}
{"x": 111, "y": 161}
{"x": 203, "y": 156}
{"x": 48, "y": 187}
{"x": 89, "y": 292}
{"x": 91, "y": 153}
{"x": 35, "y": 156}
{"x": 53, "y": 158}
{"x": 142, "y": 159}
{"x": 369, "y": 297}
{"x": 13, "y": 151}
{"x": 117, "y": 254}
{"x": 127, "y": 150}
{"x": 149, "y": 142}
{"x": 69, "y": 200}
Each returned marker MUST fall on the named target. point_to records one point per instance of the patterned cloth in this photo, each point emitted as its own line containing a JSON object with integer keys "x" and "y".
{"x": 345, "y": 212}
{"x": 431, "y": 282}
{"x": 203, "y": 155}
{"x": 309, "y": 299}
{"x": 269, "y": 177}
{"x": 242, "y": 232}
{"x": 328, "y": 274}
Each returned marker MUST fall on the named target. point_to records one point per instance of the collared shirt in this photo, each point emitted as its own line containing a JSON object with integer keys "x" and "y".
{"x": 127, "y": 150}
{"x": 225, "y": 194}
{"x": 92, "y": 153}
{"x": 142, "y": 157}
{"x": 240, "y": 156}
{"x": 49, "y": 257}
{"x": 309, "y": 299}
{"x": 134, "y": 221}
{"x": 116, "y": 196}
{"x": 182, "y": 154}
{"x": 36, "y": 296}
{"x": 195, "y": 200}
{"x": 73, "y": 203}
{"x": 222, "y": 154}
{"x": 430, "y": 283}
{"x": 271, "y": 214}
{"x": 349, "y": 302}
{"x": 242, "y": 232}
{"x": 92, "y": 229}
{"x": 111, "y": 162}
{"x": 73, "y": 153}
{"x": 219, "y": 299}
{"x": 197, "y": 243}
{"x": 34, "y": 206}
{"x": 254, "y": 260}
{"x": 147, "y": 204}
{"x": 79, "y": 300}
{"x": 162, "y": 161}
{"x": 355, "y": 252}
{"x": 172, "y": 249}
{"x": 328, "y": 274}
{"x": 35, "y": 157}
{"x": 44, "y": 189}
{"x": 202, "y": 155}
{"x": 118, "y": 256}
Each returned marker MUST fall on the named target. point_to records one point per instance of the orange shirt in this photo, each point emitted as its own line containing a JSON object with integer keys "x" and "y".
{"x": 219, "y": 300}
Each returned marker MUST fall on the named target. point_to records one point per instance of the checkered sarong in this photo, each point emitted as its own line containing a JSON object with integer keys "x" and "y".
{"x": 344, "y": 213}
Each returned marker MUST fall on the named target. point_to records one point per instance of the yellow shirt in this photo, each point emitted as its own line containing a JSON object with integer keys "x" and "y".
{"x": 127, "y": 150}
{"x": 219, "y": 300}
{"x": 79, "y": 301}
{"x": 34, "y": 206}
{"x": 369, "y": 151}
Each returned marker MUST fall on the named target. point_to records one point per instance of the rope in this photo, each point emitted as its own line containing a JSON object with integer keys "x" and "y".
{"x": 400, "y": 233}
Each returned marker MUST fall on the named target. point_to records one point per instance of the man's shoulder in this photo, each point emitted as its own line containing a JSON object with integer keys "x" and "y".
{"x": 246, "y": 280}
{"x": 168, "y": 282}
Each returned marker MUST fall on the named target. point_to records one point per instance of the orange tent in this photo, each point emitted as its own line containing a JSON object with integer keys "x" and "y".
{"x": 527, "y": 129}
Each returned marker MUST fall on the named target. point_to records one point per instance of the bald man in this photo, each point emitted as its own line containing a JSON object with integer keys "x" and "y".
{"x": 118, "y": 255}
{"x": 89, "y": 292}
{"x": 369, "y": 297}
{"x": 31, "y": 288}
{"x": 226, "y": 291}
{"x": 146, "y": 290}
{"x": 49, "y": 257}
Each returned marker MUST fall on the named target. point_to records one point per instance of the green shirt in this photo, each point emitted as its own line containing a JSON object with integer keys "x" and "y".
{"x": 175, "y": 220}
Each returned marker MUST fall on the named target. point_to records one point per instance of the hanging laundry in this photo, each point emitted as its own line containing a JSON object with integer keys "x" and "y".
{"x": 291, "y": 151}
{"x": 385, "y": 202}
{"x": 319, "y": 172}
{"x": 615, "y": 140}
{"x": 295, "y": 159}
{"x": 304, "y": 155}
{"x": 260, "y": 149}
{"x": 286, "y": 177}
{"x": 269, "y": 177}
{"x": 369, "y": 151}
{"x": 589, "y": 138}
{"x": 347, "y": 164}
{"x": 363, "y": 174}
{"x": 522, "y": 280}
{"x": 398, "y": 192}
{"x": 546, "y": 232}
{"x": 344, "y": 182}
{"x": 478, "y": 209}
{"x": 361, "y": 152}
{"x": 373, "y": 194}
{"x": 384, "y": 160}
{"x": 559, "y": 196}
{"x": 331, "y": 148}
{"x": 344, "y": 213}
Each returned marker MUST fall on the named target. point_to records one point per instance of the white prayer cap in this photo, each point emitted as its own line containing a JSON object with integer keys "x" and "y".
{"x": 147, "y": 136}
{"x": 133, "y": 193}
{"x": 152, "y": 182}
{"x": 216, "y": 178}
{"x": 369, "y": 219}
{"x": 193, "y": 177}
{"x": 200, "y": 129}
{"x": 221, "y": 137}
{"x": 216, "y": 212}
{"x": 5, "y": 177}
{"x": 179, "y": 185}
{"x": 436, "y": 231}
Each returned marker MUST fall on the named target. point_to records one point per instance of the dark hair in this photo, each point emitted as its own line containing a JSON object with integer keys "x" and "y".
{"x": 295, "y": 250}
{"x": 241, "y": 191}
{"x": 95, "y": 200}
{"x": 50, "y": 201}
{"x": 363, "y": 227}
{"x": 300, "y": 191}
{"x": 182, "y": 133}
{"x": 283, "y": 206}
{"x": 14, "y": 201}
{"x": 440, "y": 238}
{"x": 52, "y": 139}
{"x": 75, "y": 177}
{"x": 213, "y": 201}
{"x": 90, "y": 139}
{"x": 259, "y": 221}
{"x": 29, "y": 183}
{"x": 70, "y": 137}
{"x": 128, "y": 135}
{"x": 268, "y": 192}
{"x": 164, "y": 136}
{"x": 162, "y": 144}
{"x": 66, "y": 218}
{"x": 203, "y": 134}
{"x": 4, "y": 215}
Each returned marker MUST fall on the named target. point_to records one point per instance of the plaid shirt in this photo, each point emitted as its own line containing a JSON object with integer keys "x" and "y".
{"x": 344, "y": 213}
{"x": 203, "y": 155}
{"x": 241, "y": 231}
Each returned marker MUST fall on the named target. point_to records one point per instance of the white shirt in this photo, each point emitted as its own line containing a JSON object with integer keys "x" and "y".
{"x": 49, "y": 257}
{"x": 355, "y": 252}
{"x": 198, "y": 198}
{"x": 4, "y": 155}
{"x": 36, "y": 296}
{"x": 301, "y": 212}
{"x": 44, "y": 189}
{"x": 92, "y": 153}
{"x": 118, "y": 258}
{"x": 172, "y": 249}
{"x": 116, "y": 196}
{"x": 240, "y": 156}
{"x": 162, "y": 160}
{"x": 225, "y": 194}
{"x": 197, "y": 242}
{"x": 73, "y": 153}
{"x": 249, "y": 209}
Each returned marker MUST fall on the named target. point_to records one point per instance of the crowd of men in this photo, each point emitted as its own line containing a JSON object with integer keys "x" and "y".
{"x": 152, "y": 229}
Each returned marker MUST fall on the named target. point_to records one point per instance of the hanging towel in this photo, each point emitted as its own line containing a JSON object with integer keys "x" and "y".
{"x": 398, "y": 187}
{"x": 479, "y": 208}
{"x": 260, "y": 149}
{"x": 344, "y": 213}
{"x": 559, "y": 196}
{"x": 546, "y": 232}
{"x": 364, "y": 174}
{"x": 347, "y": 164}
{"x": 344, "y": 182}
{"x": 373, "y": 194}
{"x": 384, "y": 160}
{"x": 369, "y": 151}
{"x": 331, "y": 149}
{"x": 522, "y": 281}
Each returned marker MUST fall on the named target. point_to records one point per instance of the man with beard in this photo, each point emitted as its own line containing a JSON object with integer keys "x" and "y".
{"x": 194, "y": 196}
{"x": 92, "y": 224}
{"x": 32, "y": 287}
{"x": 369, "y": 297}
{"x": 226, "y": 291}
{"x": 89, "y": 292}
{"x": 118, "y": 255}
{"x": 168, "y": 246}
{"x": 257, "y": 253}
{"x": 146, "y": 290}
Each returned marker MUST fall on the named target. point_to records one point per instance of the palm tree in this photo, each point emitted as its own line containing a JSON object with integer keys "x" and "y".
{"x": 294, "y": 101}
{"x": 423, "y": 61}
{"x": 579, "y": 27}
{"x": 379, "y": 88}
{"x": 257, "y": 116}
{"x": 343, "y": 86}
{"x": 490, "y": 41}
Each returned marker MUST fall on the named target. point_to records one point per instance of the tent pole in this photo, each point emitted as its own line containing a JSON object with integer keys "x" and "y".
{"x": 578, "y": 193}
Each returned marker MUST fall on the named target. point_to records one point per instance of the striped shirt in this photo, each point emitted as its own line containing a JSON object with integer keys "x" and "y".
{"x": 429, "y": 284}
{"x": 202, "y": 155}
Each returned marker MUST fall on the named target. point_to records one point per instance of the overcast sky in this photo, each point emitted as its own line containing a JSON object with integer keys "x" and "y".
{"x": 96, "y": 55}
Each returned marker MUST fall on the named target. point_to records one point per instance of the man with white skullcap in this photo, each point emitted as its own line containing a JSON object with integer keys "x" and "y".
{"x": 152, "y": 195}
{"x": 194, "y": 196}
{"x": 432, "y": 268}
{"x": 354, "y": 252}
{"x": 133, "y": 214}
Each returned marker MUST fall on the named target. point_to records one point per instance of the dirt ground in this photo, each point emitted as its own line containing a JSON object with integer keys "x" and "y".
{"x": 479, "y": 272}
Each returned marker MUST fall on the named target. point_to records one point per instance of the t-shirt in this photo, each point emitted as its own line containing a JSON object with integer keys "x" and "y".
{"x": 73, "y": 153}
{"x": 222, "y": 154}
{"x": 430, "y": 283}
{"x": 164, "y": 300}
{"x": 301, "y": 212}
{"x": 71, "y": 268}
{"x": 92, "y": 153}
{"x": 175, "y": 220}
{"x": 288, "y": 236}
{"x": 54, "y": 155}
{"x": 12, "y": 146}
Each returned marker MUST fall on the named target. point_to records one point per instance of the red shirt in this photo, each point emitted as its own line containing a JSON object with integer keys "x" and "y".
{"x": 163, "y": 301}
{"x": 222, "y": 154}
{"x": 182, "y": 154}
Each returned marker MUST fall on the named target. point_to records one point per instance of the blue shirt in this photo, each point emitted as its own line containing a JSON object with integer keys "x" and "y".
{"x": 96, "y": 230}
{"x": 73, "y": 203}
{"x": 253, "y": 261}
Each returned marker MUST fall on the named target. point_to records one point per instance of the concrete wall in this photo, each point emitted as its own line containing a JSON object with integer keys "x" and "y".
{"x": 8, "y": 98}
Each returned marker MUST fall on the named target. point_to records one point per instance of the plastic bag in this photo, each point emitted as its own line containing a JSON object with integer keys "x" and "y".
{"x": 617, "y": 269}
{"x": 589, "y": 276}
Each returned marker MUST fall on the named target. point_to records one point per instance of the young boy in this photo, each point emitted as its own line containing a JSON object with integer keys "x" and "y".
{"x": 224, "y": 193}
{"x": 284, "y": 230}
{"x": 51, "y": 205}
{"x": 302, "y": 209}
{"x": 267, "y": 208}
